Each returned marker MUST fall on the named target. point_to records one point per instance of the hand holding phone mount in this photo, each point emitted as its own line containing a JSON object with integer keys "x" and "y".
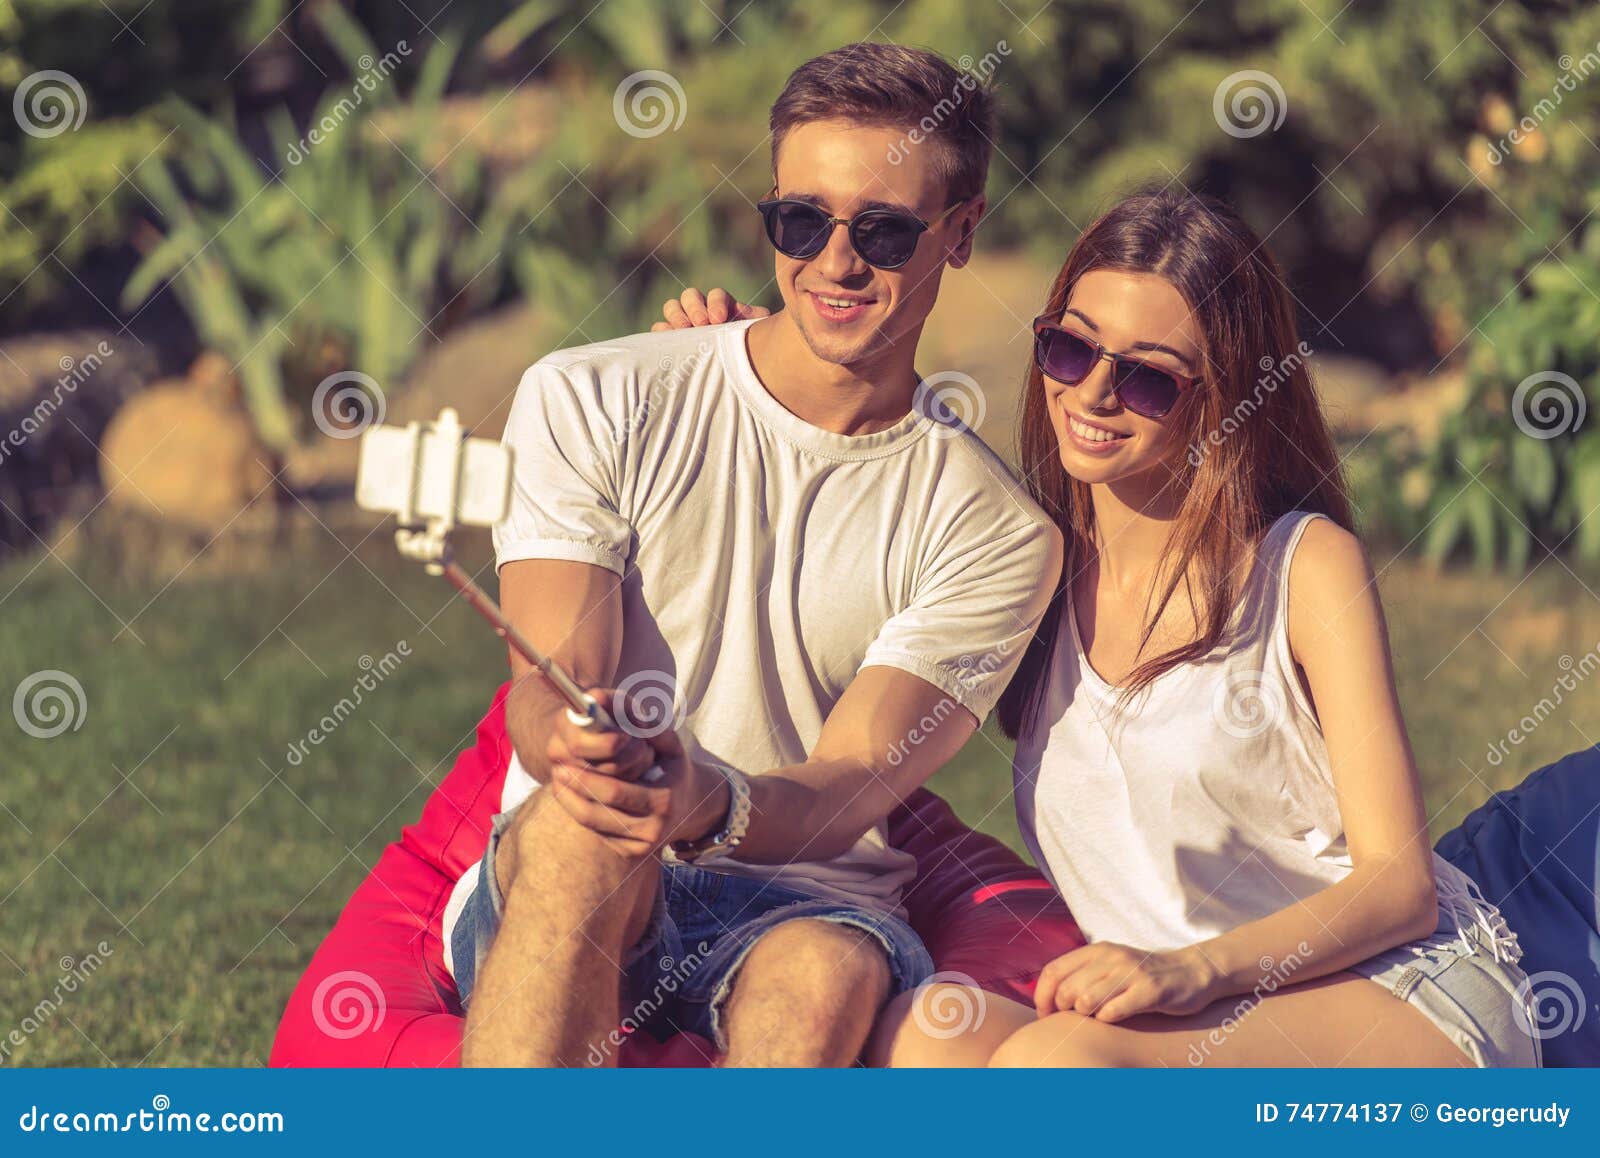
{"x": 433, "y": 478}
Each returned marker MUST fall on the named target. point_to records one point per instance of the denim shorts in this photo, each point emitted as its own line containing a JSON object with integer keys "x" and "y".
{"x": 1482, "y": 1005}
{"x": 678, "y": 975}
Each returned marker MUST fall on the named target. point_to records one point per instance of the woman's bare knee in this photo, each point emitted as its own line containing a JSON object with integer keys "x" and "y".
{"x": 1061, "y": 1041}
{"x": 943, "y": 1025}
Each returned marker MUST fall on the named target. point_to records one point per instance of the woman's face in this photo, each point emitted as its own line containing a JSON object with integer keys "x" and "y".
{"x": 1141, "y": 316}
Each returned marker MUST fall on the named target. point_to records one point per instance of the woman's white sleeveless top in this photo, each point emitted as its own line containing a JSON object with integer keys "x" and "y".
{"x": 1207, "y": 802}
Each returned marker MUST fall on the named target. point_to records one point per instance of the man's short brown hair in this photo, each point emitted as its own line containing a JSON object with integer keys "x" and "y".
{"x": 887, "y": 85}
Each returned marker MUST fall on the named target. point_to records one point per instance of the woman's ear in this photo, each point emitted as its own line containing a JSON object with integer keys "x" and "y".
{"x": 966, "y": 224}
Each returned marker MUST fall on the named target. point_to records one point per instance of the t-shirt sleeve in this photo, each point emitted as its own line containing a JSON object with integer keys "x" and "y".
{"x": 566, "y": 448}
{"x": 968, "y": 626}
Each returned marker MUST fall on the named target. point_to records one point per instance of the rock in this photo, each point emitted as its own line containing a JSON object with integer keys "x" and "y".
{"x": 186, "y": 450}
{"x": 474, "y": 368}
{"x": 58, "y": 391}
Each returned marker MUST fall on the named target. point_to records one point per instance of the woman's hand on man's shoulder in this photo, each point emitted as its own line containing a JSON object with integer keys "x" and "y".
{"x": 692, "y": 308}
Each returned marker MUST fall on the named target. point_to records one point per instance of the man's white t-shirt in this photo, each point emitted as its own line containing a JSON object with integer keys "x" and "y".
{"x": 766, "y": 561}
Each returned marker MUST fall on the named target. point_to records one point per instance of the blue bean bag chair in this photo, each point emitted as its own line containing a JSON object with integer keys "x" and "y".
{"x": 1535, "y": 852}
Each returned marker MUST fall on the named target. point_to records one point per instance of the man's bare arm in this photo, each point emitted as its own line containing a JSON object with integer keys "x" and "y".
{"x": 571, "y": 612}
{"x": 887, "y": 734}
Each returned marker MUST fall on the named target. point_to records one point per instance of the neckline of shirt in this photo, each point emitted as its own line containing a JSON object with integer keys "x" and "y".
{"x": 1289, "y": 520}
{"x": 796, "y": 430}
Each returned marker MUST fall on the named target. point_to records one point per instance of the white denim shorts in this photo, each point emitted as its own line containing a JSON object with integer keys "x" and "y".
{"x": 1478, "y": 997}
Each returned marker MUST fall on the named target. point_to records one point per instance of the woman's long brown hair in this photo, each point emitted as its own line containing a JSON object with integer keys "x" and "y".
{"x": 1258, "y": 445}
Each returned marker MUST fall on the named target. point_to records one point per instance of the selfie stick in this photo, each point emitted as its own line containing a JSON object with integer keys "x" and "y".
{"x": 429, "y": 543}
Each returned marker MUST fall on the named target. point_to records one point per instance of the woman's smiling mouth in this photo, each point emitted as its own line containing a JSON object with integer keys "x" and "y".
{"x": 1091, "y": 438}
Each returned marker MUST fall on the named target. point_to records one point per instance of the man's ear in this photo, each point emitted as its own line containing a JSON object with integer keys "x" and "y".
{"x": 966, "y": 222}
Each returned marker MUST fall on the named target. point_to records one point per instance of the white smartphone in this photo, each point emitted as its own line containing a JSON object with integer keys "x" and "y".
{"x": 430, "y": 470}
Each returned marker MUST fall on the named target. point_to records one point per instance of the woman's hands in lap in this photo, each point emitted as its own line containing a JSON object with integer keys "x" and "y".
{"x": 1111, "y": 982}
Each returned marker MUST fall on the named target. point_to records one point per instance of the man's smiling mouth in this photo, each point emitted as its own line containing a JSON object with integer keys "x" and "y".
{"x": 838, "y": 307}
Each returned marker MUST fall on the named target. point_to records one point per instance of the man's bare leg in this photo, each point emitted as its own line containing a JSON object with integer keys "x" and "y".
{"x": 549, "y": 991}
{"x": 806, "y": 995}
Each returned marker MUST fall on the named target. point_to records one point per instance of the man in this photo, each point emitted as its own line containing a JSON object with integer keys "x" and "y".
{"x": 805, "y": 589}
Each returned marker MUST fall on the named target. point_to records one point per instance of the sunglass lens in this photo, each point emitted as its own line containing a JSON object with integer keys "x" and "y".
{"x": 886, "y": 240}
{"x": 1064, "y": 357}
{"x": 1146, "y": 390}
{"x": 798, "y": 230}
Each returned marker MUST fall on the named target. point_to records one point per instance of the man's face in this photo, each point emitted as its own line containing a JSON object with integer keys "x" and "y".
{"x": 847, "y": 311}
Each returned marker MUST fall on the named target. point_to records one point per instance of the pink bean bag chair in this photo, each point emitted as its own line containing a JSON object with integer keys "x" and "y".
{"x": 377, "y": 992}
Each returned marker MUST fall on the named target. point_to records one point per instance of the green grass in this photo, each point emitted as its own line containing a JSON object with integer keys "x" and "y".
{"x": 171, "y": 825}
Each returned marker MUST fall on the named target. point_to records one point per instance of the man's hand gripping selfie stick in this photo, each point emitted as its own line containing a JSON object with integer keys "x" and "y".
{"x": 433, "y": 478}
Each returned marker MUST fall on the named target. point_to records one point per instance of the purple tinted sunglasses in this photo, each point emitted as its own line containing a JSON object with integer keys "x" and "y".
{"x": 1142, "y": 387}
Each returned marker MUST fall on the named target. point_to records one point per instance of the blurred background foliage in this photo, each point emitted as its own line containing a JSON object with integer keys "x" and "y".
{"x": 488, "y": 166}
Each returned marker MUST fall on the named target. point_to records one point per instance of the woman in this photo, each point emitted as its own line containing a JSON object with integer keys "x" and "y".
{"x": 1211, "y": 763}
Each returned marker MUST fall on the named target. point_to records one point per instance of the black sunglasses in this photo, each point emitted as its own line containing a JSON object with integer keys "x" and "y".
{"x": 1143, "y": 387}
{"x": 884, "y": 238}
